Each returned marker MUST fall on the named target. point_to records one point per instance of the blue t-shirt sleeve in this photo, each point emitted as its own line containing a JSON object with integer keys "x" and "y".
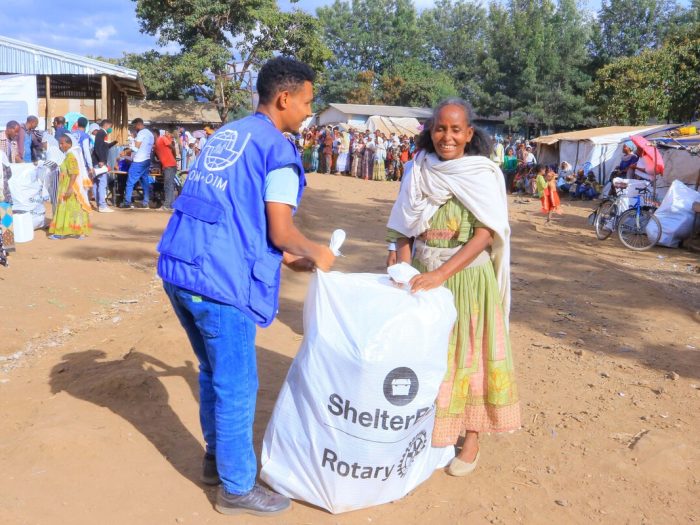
{"x": 282, "y": 185}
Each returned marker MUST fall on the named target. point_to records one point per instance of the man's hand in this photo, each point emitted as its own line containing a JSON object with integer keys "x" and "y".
{"x": 391, "y": 258}
{"x": 324, "y": 259}
{"x": 297, "y": 263}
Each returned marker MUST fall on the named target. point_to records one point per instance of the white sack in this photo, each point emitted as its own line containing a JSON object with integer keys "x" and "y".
{"x": 675, "y": 214}
{"x": 353, "y": 422}
{"x": 28, "y": 192}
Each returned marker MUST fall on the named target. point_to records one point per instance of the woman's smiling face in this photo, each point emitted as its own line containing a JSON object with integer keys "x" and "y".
{"x": 451, "y": 132}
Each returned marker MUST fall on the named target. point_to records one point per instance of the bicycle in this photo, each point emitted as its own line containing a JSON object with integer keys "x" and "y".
{"x": 632, "y": 225}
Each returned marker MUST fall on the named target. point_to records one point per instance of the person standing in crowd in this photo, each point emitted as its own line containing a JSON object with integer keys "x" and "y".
{"x": 165, "y": 151}
{"x": 28, "y": 141}
{"x": 220, "y": 261}
{"x": 379, "y": 167}
{"x": 315, "y": 148}
{"x": 101, "y": 160}
{"x": 8, "y": 142}
{"x": 341, "y": 163}
{"x": 452, "y": 206}
{"x": 498, "y": 155}
{"x": 358, "y": 148}
{"x": 394, "y": 159}
{"x": 328, "y": 151}
{"x": 83, "y": 143}
{"x": 140, "y": 168}
{"x": 54, "y": 158}
{"x": 6, "y": 222}
{"x": 59, "y": 126}
{"x": 368, "y": 158}
{"x": 72, "y": 216}
{"x": 510, "y": 166}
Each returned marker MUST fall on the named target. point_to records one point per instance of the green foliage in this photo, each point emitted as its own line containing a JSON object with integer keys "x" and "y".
{"x": 164, "y": 75}
{"x": 627, "y": 27}
{"x": 657, "y": 84}
{"x": 224, "y": 41}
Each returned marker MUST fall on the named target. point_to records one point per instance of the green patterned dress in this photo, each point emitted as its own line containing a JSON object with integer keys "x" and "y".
{"x": 478, "y": 392}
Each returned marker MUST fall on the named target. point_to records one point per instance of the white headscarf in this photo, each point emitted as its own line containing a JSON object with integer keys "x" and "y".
{"x": 477, "y": 183}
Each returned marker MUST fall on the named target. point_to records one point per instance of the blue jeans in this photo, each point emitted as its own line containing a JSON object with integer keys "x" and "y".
{"x": 223, "y": 339}
{"x": 138, "y": 171}
{"x": 99, "y": 190}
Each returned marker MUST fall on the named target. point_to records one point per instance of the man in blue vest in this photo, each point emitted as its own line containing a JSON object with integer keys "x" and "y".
{"x": 220, "y": 261}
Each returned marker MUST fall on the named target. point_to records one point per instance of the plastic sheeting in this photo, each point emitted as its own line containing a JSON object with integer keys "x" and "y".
{"x": 353, "y": 422}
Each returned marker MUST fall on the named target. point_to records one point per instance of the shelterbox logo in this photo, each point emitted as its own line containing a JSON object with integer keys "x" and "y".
{"x": 400, "y": 387}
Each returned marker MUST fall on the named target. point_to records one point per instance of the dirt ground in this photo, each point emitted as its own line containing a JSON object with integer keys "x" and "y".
{"x": 98, "y": 388}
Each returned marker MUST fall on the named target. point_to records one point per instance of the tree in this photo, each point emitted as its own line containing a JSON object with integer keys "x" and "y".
{"x": 366, "y": 36}
{"x": 163, "y": 75}
{"x": 415, "y": 83}
{"x": 627, "y": 27}
{"x": 223, "y": 42}
{"x": 655, "y": 84}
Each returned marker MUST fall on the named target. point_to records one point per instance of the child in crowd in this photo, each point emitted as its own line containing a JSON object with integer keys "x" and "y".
{"x": 550, "y": 196}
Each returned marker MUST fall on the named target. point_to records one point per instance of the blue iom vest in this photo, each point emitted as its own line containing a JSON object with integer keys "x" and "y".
{"x": 216, "y": 242}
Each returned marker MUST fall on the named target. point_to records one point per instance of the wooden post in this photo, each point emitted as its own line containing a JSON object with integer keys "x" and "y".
{"x": 125, "y": 117}
{"x": 48, "y": 102}
{"x": 105, "y": 98}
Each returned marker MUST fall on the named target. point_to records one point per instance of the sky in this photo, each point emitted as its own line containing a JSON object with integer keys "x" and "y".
{"x": 105, "y": 28}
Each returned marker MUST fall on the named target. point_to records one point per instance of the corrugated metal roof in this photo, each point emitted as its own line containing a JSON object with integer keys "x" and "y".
{"x": 586, "y": 134}
{"x": 382, "y": 111}
{"x": 29, "y": 59}
{"x": 174, "y": 112}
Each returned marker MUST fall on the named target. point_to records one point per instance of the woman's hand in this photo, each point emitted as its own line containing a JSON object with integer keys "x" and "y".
{"x": 68, "y": 194}
{"x": 427, "y": 281}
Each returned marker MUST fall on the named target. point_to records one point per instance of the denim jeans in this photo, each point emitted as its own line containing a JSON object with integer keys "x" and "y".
{"x": 169, "y": 185}
{"x": 138, "y": 171}
{"x": 99, "y": 190}
{"x": 223, "y": 339}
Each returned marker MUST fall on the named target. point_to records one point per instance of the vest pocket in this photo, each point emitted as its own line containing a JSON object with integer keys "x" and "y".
{"x": 191, "y": 230}
{"x": 264, "y": 283}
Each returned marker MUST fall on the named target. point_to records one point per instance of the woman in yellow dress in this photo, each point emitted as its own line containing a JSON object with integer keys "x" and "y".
{"x": 451, "y": 221}
{"x": 72, "y": 217}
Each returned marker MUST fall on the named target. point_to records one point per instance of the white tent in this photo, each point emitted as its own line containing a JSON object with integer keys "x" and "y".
{"x": 598, "y": 150}
{"x": 399, "y": 125}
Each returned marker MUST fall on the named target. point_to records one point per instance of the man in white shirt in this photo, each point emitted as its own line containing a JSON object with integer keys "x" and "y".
{"x": 141, "y": 166}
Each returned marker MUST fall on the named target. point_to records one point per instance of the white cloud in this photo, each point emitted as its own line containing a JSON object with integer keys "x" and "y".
{"x": 104, "y": 33}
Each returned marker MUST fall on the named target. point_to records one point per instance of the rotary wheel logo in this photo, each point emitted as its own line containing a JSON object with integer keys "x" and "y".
{"x": 415, "y": 447}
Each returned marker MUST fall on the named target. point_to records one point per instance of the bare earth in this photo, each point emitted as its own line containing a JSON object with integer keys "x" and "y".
{"x": 98, "y": 395}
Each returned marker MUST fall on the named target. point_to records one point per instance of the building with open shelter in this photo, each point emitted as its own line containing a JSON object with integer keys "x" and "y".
{"x": 164, "y": 114}
{"x": 61, "y": 82}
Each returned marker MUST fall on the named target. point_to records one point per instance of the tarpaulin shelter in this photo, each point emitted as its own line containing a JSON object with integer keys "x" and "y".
{"x": 401, "y": 126}
{"x": 599, "y": 149}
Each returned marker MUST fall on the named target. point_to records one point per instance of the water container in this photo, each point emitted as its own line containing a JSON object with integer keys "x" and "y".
{"x": 23, "y": 227}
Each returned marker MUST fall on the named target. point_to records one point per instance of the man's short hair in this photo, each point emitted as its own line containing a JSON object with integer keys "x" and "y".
{"x": 106, "y": 121}
{"x": 59, "y": 120}
{"x": 136, "y": 121}
{"x": 282, "y": 74}
{"x": 82, "y": 122}
{"x": 12, "y": 124}
{"x": 32, "y": 118}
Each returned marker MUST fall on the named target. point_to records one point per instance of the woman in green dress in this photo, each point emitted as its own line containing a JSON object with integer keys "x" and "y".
{"x": 452, "y": 215}
{"x": 71, "y": 219}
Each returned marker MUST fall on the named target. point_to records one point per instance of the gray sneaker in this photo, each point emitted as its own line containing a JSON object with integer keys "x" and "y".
{"x": 210, "y": 474}
{"x": 259, "y": 502}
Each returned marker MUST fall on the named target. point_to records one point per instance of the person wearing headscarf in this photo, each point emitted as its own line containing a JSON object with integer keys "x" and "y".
{"x": 72, "y": 216}
{"x": 452, "y": 208}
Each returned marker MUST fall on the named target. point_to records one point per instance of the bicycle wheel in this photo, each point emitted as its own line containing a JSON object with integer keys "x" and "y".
{"x": 632, "y": 229}
{"x": 605, "y": 220}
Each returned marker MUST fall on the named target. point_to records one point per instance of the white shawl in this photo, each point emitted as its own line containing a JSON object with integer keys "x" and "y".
{"x": 477, "y": 183}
